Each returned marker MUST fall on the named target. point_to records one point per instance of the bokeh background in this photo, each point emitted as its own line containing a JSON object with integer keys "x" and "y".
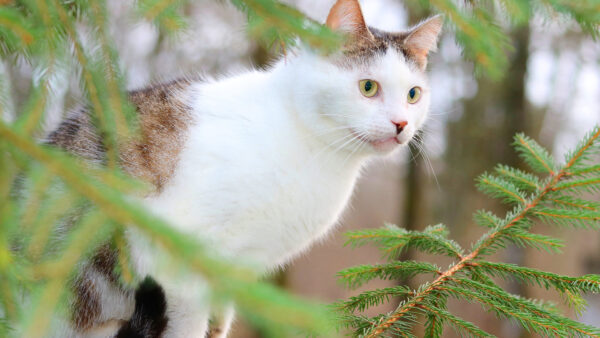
{"x": 551, "y": 92}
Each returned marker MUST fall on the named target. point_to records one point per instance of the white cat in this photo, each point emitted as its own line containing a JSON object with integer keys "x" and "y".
{"x": 260, "y": 165}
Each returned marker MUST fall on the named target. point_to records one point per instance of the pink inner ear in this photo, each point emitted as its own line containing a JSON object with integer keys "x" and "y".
{"x": 346, "y": 16}
{"x": 423, "y": 39}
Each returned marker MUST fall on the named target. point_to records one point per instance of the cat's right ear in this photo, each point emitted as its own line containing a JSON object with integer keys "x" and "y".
{"x": 346, "y": 16}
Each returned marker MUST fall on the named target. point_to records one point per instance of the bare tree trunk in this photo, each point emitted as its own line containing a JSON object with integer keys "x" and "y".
{"x": 477, "y": 141}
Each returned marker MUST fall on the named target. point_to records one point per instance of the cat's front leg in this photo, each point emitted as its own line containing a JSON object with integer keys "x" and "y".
{"x": 162, "y": 310}
{"x": 187, "y": 314}
{"x": 186, "y": 294}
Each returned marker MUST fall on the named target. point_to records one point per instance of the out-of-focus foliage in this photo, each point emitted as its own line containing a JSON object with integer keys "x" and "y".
{"x": 55, "y": 210}
{"x": 557, "y": 199}
{"x": 481, "y": 26}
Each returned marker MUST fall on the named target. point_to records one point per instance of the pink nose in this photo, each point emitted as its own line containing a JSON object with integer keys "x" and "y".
{"x": 399, "y": 126}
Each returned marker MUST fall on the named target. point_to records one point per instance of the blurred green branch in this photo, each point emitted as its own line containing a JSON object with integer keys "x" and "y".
{"x": 41, "y": 188}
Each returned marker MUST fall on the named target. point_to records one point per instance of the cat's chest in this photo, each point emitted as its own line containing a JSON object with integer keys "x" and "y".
{"x": 266, "y": 200}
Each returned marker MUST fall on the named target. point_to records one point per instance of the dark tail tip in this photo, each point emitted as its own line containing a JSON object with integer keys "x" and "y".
{"x": 149, "y": 318}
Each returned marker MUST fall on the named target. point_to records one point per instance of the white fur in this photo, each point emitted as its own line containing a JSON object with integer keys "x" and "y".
{"x": 270, "y": 163}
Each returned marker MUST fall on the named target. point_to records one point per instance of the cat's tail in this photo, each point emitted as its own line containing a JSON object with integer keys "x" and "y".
{"x": 149, "y": 318}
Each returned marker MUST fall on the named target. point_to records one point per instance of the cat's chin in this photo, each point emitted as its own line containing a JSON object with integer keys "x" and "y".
{"x": 385, "y": 145}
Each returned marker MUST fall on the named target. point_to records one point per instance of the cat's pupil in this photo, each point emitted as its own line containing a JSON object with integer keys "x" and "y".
{"x": 368, "y": 86}
{"x": 412, "y": 92}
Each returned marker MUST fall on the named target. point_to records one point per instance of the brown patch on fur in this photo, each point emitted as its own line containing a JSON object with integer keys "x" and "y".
{"x": 77, "y": 135}
{"x": 363, "y": 50}
{"x": 163, "y": 118}
{"x": 105, "y": 261}
{"x": 153, "y": 154}
{"x": 86, "y": 305}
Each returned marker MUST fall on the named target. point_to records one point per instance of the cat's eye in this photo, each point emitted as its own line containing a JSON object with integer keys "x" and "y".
{"x": 414, "y": 94}
{"x": 368, "y": 88}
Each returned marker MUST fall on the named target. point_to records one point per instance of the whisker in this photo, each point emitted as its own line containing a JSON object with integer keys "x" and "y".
{"x": 359, "y": 145}
{"x": 423, "y": 152}
{"x": 326, "y": 131}
{"x": 320, "y": 152}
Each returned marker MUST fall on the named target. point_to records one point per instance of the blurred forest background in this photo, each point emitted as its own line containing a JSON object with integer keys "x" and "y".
{"x": 551, "y": 92}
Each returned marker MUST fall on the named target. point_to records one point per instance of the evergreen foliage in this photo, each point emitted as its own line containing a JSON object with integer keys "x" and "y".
{"x": 558, "y": 198}
{"x": 55, "y": 210}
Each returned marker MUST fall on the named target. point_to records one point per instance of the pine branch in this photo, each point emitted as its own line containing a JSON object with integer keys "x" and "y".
{"x": 584, "y": 218}
{"x": 358, "y": 275}
{"x": 573, "y": 203}
{"x": 522, "y": 180}
{"x": 461, "y": 326}
{"x": 526, "y": 313}
{"x": 540, "y": 160}
{"x": 592, "y": 170}
{"x": 535, "y": 155}
{"x": 487, "y": 219}
{"x": 589, "y": 184}
{"x": 88, "y": 236}
{"x": 393, "y": 240}
{"x": 524, "y": 238}
{"x": 499, "y": 188}
{"x": 372, "y": 298}
{"x": 105, "y": 116}
{"x": 590, "y": 283}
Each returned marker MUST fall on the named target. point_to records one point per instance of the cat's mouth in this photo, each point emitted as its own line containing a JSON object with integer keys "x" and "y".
{"x": 385, "y": 144}
{"x": 381, "y": 144}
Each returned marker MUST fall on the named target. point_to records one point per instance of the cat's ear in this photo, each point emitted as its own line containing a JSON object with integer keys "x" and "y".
{"x": 346, "y": 16}
{"x": 422, "y": 39}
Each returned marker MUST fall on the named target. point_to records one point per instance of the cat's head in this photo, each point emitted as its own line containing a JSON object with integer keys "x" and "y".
{"x": 373, "y": 93}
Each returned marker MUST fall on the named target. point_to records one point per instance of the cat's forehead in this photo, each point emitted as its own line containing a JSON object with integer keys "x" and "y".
{"x": 393, "y": 70}
{"x": 363, "y": 52}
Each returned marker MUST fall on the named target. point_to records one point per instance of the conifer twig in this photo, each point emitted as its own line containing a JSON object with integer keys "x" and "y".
{"x": 489, "y": 239}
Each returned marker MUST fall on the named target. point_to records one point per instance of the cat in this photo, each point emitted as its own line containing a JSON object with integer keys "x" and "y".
{"x": 258, "y": 166}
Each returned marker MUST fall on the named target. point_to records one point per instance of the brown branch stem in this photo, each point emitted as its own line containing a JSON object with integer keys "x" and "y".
{"x": 414, "y": 302}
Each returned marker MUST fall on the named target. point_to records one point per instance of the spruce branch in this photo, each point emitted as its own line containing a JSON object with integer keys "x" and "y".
{"x": 467, "y": 278}
{"x": 372, "y": 298}
{"x": 104, "y": 115}
{"x": 522, "y": 180}
{"x": 528, "y": 314}
{"x": 590, "y": 283}
{"x": 393, "y": 240}
{"x": 524, "y": 238}
{"x": 497, "y": 187}
{"x": 444, "y": 317}
{"x": 358, "y": 275}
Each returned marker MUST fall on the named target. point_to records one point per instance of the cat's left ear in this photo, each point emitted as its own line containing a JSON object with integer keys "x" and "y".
{"x": 346, "y": 16}
{"x": 422, "y": 39}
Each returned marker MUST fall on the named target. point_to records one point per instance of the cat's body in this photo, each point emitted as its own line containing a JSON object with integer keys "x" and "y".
{"x": 258, "y": 166}
{"x": 264, "y": 156}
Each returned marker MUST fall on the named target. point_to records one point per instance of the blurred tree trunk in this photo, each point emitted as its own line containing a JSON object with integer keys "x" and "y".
{"x": 415, "y": 187}
{"x": 482, "y": 136}
{"x": 476, "y": 142}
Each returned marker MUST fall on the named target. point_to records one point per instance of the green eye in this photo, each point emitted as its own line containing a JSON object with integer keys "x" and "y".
{"x": 414, "y": 94}
{"x": 368, "y": 88}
